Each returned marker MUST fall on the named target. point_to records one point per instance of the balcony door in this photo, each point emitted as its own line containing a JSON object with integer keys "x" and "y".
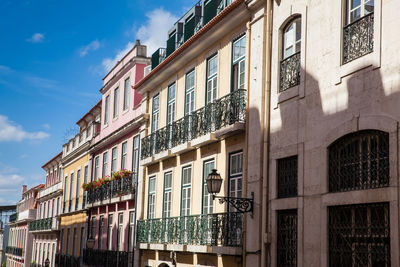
{"x": 212, "y": 79}
{"x": 238, "y": 63}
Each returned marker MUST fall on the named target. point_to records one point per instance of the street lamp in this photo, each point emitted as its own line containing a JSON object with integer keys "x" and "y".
{"x": 47, "y": 262}
{"x": 90, "y": 243}
{"x": 214, "y": 182}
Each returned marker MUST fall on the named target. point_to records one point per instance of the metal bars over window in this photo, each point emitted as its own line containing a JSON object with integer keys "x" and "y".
{"x": 359, "y": 235}
{"x": 359, "y": 161}
{"x": 287, "y": 177}
{"x": 287, "y": 238}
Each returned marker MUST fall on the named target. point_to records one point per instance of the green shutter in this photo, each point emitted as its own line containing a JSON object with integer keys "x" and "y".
{"x": 210, "y": 10}
{"x": 155, "y": 59}
{"x": 171, "y": 44}
{"x": 189, "y": 28}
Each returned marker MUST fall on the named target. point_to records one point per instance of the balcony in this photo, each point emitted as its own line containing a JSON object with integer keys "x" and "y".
{"x": 14, "y": 251}
{"x": 220, "y": 118}
{"x": 44, "y": 225}
{"x": 215, "y": 230}
{"x": 290, "y": 72}
{"x": 66, "y": 261}
{"x": 113, "y": 189}
{"x": 27, "y": 215}
{"x": 107, "y": 258}
{"x": 358, "y": 38}
{"x": 50, "y": 190}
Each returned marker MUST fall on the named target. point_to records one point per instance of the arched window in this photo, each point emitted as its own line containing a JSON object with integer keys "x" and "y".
{"x": 358, "y": 161}
{"x": 291, "y": 46}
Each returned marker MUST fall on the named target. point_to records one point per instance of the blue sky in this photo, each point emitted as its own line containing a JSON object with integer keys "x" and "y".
{"x": 54, "y": 54}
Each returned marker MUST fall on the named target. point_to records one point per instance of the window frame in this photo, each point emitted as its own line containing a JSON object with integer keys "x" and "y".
{"x": 155, "y": 113}
{"x": 151, "y": 198}
{"x": 105, "y": 164}
{"x": 213, "y": 78}
{"x": 185, "y": 187}
{"x": 171, "y": 104}
{"x": 127, "y": 94}
{"x": 124, "y": 155}
{"x": 191, "y": 92}
{"x": 114, "y": 159}
{"x": 106, "y": 110}
{"x": 236, "y": 62}
{"x": 205, "y": 195}
{"x": 167, "y": 193}
{"x": 116, "y": 102}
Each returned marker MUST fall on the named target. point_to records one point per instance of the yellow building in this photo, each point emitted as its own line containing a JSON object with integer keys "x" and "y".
{"x": 197, "y": 100}
{"x": 76, "y": 171}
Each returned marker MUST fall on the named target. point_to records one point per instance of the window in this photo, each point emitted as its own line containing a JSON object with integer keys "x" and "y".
{"x": 116, "y": 98}
{"x": 290, "y": 64}
{"x": 71, "y": 184}
{"x": 120, "y": 232}
{"x": 207, "y": 198}
{"x": 93, "y": 227}
{"x": 53, "y": 254}
{"x": 78, "y": 186}
{"x": 156, "y": 113}
{"x": 126, "y": 94}
{"x": 67, "y": 246}
{"x": 171, "y": 103}
{"x": 358, "y": 32}
{"x": 65, "y": 190}
{"x": 52, "y": 208}
{"x": 61, "y": 241}
{"x": 109, "y": 232}
{"x": 287, "y": 238}
{"x": 105, "y": 163}
{"x": 238, "y": 62}
{"x": 151, "y": 198}
{"x": 359, "y": 235}
{"x": 359, "y": 161}
{"x": 287, "y": 177}
{"x": 113, "y": 159}
{"x": 131, "y": 234}
{"x": 80, "y": 242}
{"x": 186, "y": 190}
{"x": 106, "y": 109}
{"x": 96, "y": 167}
{"x": 100, "y": 234}
{"x": 189, "y": 92}
{"x": 135, "y": 161}
{"x": 124, "y": 154}
{"x": 167, "y": 198}
{"x": 74, "y": 242}
{"x": 235, "y": 175}
{"x": 212, "y": 78}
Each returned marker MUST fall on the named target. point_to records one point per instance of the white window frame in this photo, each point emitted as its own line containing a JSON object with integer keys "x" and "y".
{"x": 127, "y": 93}
{"x": 151, "y": 202}
{"x": 167, "y": 195}
{"x": 190, "y": 93}
{"x": 106, "y": 110}
{"x": 114, "y": 159}
{"x": 124, "y": 155}
{"x": 238, "y": 64}
{"x": 186, "y": 192}
{"x": 171, "y": 103}
{"x": 105, "y": 164}
{"x": 116, "y": 102}
{"x": 212, "y": 80}
{"x": 207, "y": 201}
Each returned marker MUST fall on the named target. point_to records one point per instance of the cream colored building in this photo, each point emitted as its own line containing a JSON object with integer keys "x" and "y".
{"x": 203, "y": 94}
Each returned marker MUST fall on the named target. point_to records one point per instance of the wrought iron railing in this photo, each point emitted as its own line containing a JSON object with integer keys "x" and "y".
{"x": 223, "y": 229}
{"x": 35, "y": 265}
{"x": 287, "y": 177}
{"x": 358, "y": 38}
{"x": 40, "y": 225}
{"x": 96, "y": 258}
{"x": 114, "y": 188}
{"x": 222, "y": 112}
{"x": 14, "y": 251}
{"x": 290, "y": 72}
{"x": 66, "y": 261}
{"x": 287, "y": 238}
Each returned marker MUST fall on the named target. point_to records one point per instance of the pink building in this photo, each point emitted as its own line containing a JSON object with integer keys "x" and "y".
{"x": 115, "y": 148}
{"x": 19, "y": 249}
{"x": 45, "y": 228}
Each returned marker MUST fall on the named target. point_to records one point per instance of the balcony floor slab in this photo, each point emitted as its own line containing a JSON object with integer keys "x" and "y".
{"x": 147, "y": 161}
{"x": 163, "y": 155}
{"x": 230, "y": 130}
{"x": 204, "y": 140}
{"x": 182, "y": 148}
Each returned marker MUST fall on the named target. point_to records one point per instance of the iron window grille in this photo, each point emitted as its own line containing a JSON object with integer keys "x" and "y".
{"x": 359, "y": 235}
{"x": 287, "y": 238}
{"x": 287, "y": 177}
{"x": 359, "y": 161}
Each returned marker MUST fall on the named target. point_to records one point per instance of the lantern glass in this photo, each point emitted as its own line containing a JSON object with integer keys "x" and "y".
{"x": 90, "y": 243}
{"x": 214, "y": 182}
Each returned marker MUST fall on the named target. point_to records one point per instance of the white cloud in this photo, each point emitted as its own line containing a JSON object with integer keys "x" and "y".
{"x": 11, "y": 180}
{"x": 9, "y": 131}
{"x": 23, "y": 156}
{"x": 36, "y": 38}
{"x": 92, "y": 46}
{"x": 109, "y": 63}
{"x": 154, "y": 32}
{"x": 46, "y": 126}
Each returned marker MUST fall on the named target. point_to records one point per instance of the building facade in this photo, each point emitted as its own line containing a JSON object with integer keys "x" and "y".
{"x": 19, "y": 248}
{"x": 7, "y": 214}
{"x": 204, "y": 99}
{"x": 115, "y": 160}
{"x": 333, "y": 195}
{"x": 45, "y": 228}
{"x": 76, "y": 167}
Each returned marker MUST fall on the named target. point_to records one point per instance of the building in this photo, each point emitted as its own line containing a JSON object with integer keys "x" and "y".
{"x": 76, "y": 167}
{"x": 205, "y": 99}
{"x": 7, "y": 214}
{"x": 45, "y": 228}
{"x": 19, "y": 248}
{"x": 333, "y": 155}
{"x": 114, "y": 154}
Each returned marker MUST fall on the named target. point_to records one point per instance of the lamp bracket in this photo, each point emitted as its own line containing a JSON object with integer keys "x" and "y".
{"x": 240, "y": 204}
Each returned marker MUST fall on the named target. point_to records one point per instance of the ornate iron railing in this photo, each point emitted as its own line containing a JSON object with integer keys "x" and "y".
{"x": 222, "y": 112}
{"x": 105, "y": 258}
{"x": 359, "y": 161}
{"x": 359, "y": 235}
{"x": 290, "y": 72}
{"x": 35, "y": 265}
{"x": 14, "y": 251}
{"x": 358, "y": 38}
{"x": 287, "y": 238}
{"x": 66, "y": 261}
{"x": 223, "y": 229}
{"x": 287, "y": 177}
{"x": 115, "y": 188}
{"x": 40, "y": 225}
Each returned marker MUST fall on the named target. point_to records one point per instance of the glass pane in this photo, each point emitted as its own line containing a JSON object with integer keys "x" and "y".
{"x": 239, "y": 48}
{"x": 355, "y": 3}
{"x": 369, "y": 7}
{"x": 355, "y": 14}
{"x": 298, "y": 29}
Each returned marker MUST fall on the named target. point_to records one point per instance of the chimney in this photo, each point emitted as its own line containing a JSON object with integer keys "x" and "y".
{"x": 24, "y": 187}
{"x": 141, "y": 50}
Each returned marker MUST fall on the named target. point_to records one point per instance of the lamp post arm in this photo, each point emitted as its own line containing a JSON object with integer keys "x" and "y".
{"x": 241, "y": 204}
